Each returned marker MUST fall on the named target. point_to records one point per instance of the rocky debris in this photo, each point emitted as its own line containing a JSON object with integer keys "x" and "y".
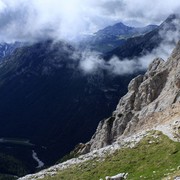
{"x": 170, "y": 129}
{"x": 153, "y": 92}
{"x": 120, "y": 176}
{"x": 177, "y": 178}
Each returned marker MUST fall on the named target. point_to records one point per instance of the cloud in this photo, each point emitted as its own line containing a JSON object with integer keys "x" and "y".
{"x": 36, "y": 19}
{"x": 33, "y": 20}
{"x": 90, "y": 62}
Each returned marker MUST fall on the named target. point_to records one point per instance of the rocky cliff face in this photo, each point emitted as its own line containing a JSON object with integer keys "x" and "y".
{"x": 153, "y": 92}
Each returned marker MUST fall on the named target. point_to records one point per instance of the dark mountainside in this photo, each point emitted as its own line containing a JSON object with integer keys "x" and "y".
{"x": 47, "y": 100}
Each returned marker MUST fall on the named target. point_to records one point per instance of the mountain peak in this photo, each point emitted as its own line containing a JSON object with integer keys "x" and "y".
{"x": 116, "y": 29}
{"x": 120, "y": 24}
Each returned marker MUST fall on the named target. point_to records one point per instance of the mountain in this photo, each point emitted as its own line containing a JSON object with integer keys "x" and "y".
{"x": 141, "y": 139}
{"x": 114, "y": 36}
{"x": 138, "y": 46}
{"x": 47, "y": 101}
{"x": 120, "y": 29}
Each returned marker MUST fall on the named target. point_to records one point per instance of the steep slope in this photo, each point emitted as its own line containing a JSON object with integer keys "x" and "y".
{"x": 114, "y": 36}
{"x": 153, "y": 92}
{"x": 47, "y": 100}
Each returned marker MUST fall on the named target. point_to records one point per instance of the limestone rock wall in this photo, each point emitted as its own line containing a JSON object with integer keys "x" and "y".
{"x": 153, "y": 92}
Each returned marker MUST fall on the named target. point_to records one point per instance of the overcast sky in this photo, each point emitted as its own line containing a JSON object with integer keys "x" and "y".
{"x": 26, "y": 20}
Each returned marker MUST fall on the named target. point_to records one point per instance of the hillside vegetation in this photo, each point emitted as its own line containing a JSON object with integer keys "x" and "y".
{"x": 154, "y": 157}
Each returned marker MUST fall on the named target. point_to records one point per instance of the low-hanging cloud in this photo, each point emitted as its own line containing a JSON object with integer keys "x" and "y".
{"x": 28, "y": 20}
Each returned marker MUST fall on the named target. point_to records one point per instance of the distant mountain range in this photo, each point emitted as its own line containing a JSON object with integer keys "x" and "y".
{"x": 138, "y": 46}
{"x": 114, "y": 36}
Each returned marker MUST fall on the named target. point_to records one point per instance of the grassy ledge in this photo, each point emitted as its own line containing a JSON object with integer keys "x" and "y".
{"x": 154, "y": 157}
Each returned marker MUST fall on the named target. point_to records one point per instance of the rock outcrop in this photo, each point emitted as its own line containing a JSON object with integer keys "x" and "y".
{"x": 153, "y": 92}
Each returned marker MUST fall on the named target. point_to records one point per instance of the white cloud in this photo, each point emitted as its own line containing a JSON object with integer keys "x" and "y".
{"x": 68, "y": 19}
{"x": 90, "y": 62}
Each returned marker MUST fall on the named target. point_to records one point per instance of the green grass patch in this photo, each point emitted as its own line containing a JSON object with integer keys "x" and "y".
{"x": 152, "y": 158}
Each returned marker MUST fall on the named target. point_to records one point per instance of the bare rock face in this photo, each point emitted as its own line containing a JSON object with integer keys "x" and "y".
{"x": 153, "y": 92}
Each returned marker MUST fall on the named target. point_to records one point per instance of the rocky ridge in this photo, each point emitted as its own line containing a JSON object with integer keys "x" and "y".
{"x": 147, "y": 94}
